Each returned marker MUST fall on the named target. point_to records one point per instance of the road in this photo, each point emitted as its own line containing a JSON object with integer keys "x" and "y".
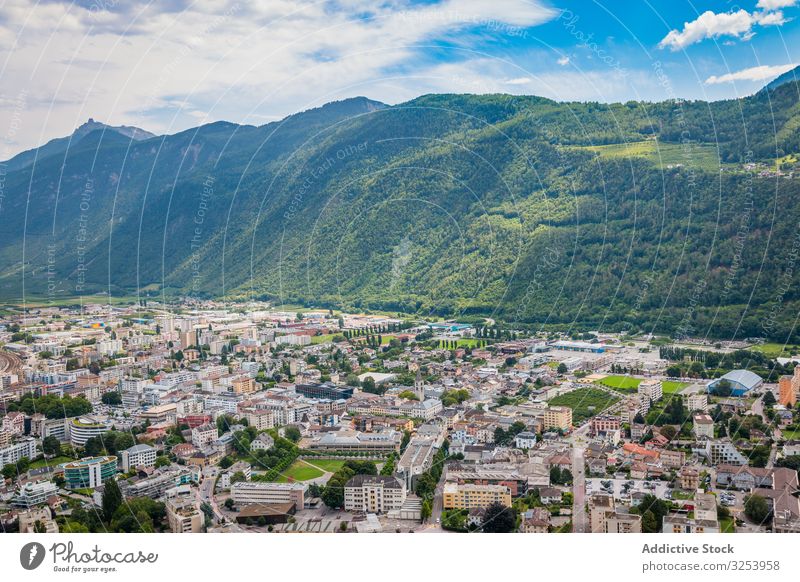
{"x": 758, "y": 409}
{"x": 434, "y": 522}
{"x": 205, "y": 492}
{"x": 579, "y": 519}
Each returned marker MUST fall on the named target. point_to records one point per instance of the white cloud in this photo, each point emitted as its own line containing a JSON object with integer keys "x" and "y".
{"x": 156, "y": 67}
{"x": 563, "y": 61}
{"x": 775, "y": 4}
{"x": 710, "y": 24}
{"x": 760, "y": 73}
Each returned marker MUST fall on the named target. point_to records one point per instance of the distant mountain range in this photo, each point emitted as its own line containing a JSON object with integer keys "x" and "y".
{"x": 61, "y": 144}
{"x": 669, "y": 217}
{"x": 792, "y": 76}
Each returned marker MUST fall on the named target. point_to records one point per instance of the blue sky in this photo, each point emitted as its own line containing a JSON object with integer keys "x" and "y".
{"x": 170, "y": 65}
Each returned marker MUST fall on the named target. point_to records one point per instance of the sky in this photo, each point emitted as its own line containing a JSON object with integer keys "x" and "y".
{"x": 170, "y": 65}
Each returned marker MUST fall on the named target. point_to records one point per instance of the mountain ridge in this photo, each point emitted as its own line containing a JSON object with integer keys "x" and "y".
{"x": 526, "y": 209}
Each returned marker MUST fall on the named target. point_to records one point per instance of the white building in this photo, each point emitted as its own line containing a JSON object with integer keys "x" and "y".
{"x": 204, "y": 435}
{"x": 374, "y": 494}
{"x": 651, "y": 389}
{"x": 246, "y": 492}
{"x": 138, "y": 456}
{"x": 525, "y": 440}
{"x": 703, "y": 426}
{"x": 83, "y": 428}
{"x": 34, "y": 493}
{"x": 13, "y": 453}
{"x": 697, "y": 401}
{"x": 724, "y": 453}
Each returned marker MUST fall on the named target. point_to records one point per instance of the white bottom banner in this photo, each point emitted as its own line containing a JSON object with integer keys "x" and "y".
{"x": 333, "y": 557}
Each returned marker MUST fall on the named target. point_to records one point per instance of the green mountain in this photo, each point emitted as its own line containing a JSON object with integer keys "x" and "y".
{"x": 669, "y": 217}
{"x": 62, "y": 144}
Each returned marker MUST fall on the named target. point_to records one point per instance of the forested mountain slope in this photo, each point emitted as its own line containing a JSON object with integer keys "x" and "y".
{"x": 678, "y": 217}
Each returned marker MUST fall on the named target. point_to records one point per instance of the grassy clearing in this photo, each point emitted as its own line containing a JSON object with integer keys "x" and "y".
{"x": 775, "y": 350}
{"x": 726, "y": 525}
{"x": 300, "y": 471}
{"x": 791, "y": 435}
{"x": 329, "y": 465}
{"x": 672, "y": 387}
{"x": 321, "y": 339}
{"x": 663, "y": 154}
{"x": 584, "y": 402}
{"x": 621, "y": 383}
{"x": 54, "y": 462}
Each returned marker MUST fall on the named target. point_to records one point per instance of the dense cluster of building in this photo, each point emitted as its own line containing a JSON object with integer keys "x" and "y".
{"x": 496, "y": 420}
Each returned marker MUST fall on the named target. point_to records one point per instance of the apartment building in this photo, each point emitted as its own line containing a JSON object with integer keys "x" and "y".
{"x": 787, "y": 395}
{"x": 12, "y": 453}
{"x": 721, "y": 452}
{"x": 204, "y": 435}
{"x": 471, "y": 495}
{"x": 184, "y": 516}
{"x": 703, "y": 426}
{"x": 374, "y": 494}
{"x": 650, "y": 389}
{"x": 246, "y": 492}
{"x": 604, "y": 423}
{"x": 243, "y": 385}
{"x": 623, "y": 522}
{"x": 138, "y": 456}
{"x": 34, "y": 493}
{"x": 698, "y": 401}
{"x": 599, "y": 507}
{"x": 558, "y": 418}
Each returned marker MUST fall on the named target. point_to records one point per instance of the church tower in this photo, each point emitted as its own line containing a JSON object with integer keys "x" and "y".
{"x": 419, "y": 386}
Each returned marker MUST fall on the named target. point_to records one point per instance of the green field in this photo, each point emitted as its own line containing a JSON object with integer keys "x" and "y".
{"x": 621, "y": 383}
{"x": 321, "y": 339}
{"x": 300, "y": 471}
{"x": 791, "y": 435}
{"x": 672, "y": 387}
{"x": 584, "y": 402}
{"x": 305, "y": 470}
{"x": 329, "y": 465}
{"x": 774, "y": 350}
{"x": 54, "y": 462}
{"x": 663, "y": 154}
{"x": 726, "y": 525}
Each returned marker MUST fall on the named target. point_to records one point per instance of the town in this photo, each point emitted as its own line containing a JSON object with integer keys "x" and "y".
{"x": 218, "y": 417}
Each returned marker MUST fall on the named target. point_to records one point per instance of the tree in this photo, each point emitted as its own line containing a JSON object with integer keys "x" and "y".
{"x": 756, "y": 509}
{"x": 723, "y": 388}
{"x": 562, "y": 368}
{"x": 162, "y": 461}
{"x": 112, "y": 398}
{"x": 51, "y": 446}
{"x": 408, "y": 395}
{"x": 93, "y": 447}
{"x": 293, "y": 434}
{"x": 499, "y": 519}
{"x": 668, "y": 432}
{"x": 229, "y": 503}
{"x": 112, "y": 499}
{"x": 649, "y": 522}
{"x": 657, "y": 506}
{"x": 368, "y": 385}
{"x": 769, "y": 399}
